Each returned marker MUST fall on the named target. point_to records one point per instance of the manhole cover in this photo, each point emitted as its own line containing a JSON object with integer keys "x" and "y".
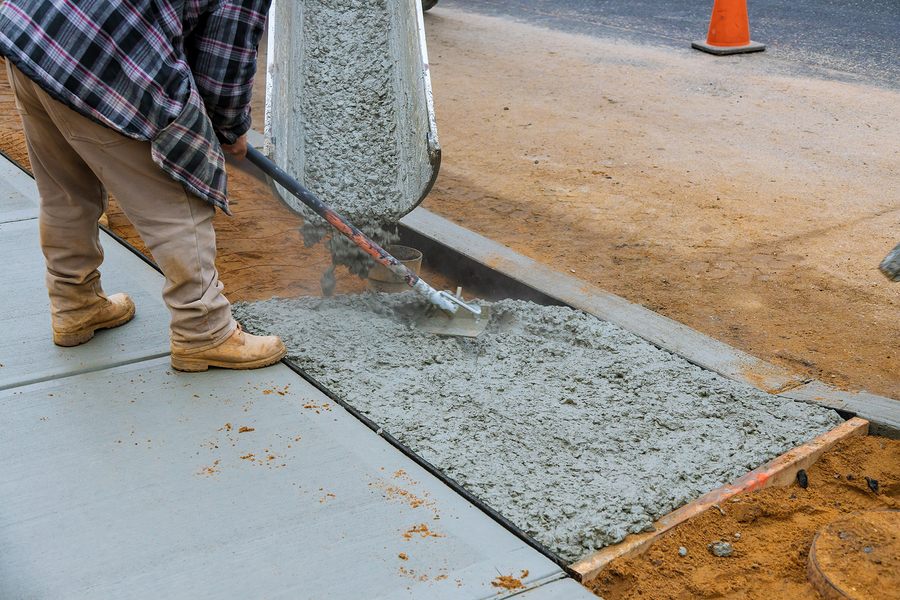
{"x": 857, "y": 556}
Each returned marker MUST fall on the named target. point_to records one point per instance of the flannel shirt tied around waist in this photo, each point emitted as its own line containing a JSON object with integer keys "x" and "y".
{"x": 175, "y": 73}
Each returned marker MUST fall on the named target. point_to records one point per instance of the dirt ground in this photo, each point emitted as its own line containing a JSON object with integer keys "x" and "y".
{"x": 736, "y": 195}
{"x": 770, "y": 532}
{"x": 727, "y": 193}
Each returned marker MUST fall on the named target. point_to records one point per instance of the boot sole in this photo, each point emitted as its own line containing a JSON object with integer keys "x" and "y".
{"x": 67, "y": 340}
{"x": 197, "y": 365}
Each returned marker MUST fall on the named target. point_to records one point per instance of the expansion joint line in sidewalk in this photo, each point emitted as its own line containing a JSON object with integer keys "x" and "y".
{"x": 99, "y": 368}
{"x": 530, "y": 587}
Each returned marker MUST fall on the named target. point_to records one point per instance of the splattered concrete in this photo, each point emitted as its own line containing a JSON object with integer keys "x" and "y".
{"x": 576, "y": 430}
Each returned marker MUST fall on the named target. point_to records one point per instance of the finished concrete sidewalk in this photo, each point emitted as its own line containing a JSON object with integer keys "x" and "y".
{"x": 120, "y": 477}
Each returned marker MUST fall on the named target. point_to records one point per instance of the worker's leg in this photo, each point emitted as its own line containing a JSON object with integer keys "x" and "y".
{"x": 72, "y": 199}
{"x": 176, "y": 226}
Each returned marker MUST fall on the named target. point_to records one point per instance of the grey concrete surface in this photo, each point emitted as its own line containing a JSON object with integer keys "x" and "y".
{"x": 30, "y": 355}
{"x": 18, "y": 194}
{"x": 120, "y": 477}
{"x": 882, "y": 413}
{"x": 136, "y": 481}
{"x": 558, "y": 589}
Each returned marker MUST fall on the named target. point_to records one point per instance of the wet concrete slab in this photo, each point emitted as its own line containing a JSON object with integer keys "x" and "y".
{"x": 698, "y": 348}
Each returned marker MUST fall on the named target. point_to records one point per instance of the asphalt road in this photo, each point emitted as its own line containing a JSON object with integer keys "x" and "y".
{"x": 834, "y": 39}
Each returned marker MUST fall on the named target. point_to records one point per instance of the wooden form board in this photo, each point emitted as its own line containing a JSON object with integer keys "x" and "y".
{"x": 780, "y": 471}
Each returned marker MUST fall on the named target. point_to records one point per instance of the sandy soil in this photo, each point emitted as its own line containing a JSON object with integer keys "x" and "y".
{"x": 727, "y": 193}
{"x": 731, "y": 194}
{"x": 775, "y": 529}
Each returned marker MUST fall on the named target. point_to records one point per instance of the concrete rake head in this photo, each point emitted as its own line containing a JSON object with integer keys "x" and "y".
{"x": 467, "y": 320}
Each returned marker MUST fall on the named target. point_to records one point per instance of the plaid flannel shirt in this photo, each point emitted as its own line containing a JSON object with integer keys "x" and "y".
{"x": 176, "y": 73}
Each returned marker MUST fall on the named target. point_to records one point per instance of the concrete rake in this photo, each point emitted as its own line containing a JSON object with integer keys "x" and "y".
{"x": 451, "y": 316}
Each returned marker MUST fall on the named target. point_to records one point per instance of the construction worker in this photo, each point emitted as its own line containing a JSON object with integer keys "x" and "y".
{"x": 140, "y": 98}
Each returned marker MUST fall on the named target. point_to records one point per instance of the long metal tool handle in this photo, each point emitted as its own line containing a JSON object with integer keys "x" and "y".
{"x": 443, "y": 300}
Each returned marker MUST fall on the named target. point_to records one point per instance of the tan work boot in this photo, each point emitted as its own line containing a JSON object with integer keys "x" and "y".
{"x": 118, "y": 310}
{"x": 240, "y": 351}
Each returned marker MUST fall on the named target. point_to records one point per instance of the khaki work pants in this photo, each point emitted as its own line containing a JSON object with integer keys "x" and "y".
{"x": 75, "y": 161}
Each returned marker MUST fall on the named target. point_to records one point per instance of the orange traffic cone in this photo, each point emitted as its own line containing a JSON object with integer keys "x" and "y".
{"x": 729, "y": 30}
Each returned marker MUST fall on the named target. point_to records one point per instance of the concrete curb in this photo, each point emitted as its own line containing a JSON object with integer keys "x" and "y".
{"x": 695, "y": 347}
